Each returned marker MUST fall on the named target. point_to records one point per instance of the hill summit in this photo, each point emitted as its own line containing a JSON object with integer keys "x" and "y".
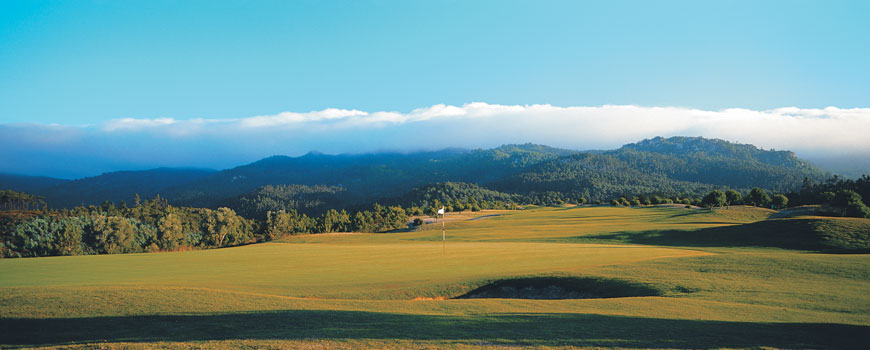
{"x": 676, "y": 165}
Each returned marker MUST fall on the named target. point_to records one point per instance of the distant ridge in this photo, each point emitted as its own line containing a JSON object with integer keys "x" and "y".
{"x": 29, "y": 184}
{"x": 686, "y": 146}
{"x": 675, "y": 165}
{"x": 119, "y": 186}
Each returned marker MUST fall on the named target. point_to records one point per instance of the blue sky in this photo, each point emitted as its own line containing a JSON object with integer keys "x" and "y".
{"x": 88, "y": 65}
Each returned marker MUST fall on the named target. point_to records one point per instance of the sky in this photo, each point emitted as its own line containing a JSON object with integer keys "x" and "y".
{"x": 93, "y": 86}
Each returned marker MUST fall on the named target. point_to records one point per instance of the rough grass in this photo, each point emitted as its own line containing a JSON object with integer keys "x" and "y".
{"x": 844, "y": 235}
{"x": 357, "y": 291}
{"x": 391, "y": 270}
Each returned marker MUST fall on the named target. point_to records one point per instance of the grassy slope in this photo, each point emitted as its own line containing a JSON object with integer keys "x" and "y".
{"x": 356, "y": 290}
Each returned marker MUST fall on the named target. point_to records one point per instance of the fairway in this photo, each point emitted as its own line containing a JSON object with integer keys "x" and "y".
{"x": 397, "y": 290}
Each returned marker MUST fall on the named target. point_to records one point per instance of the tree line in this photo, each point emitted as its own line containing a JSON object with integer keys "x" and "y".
{"x": 835, "y": 197}
{"x": 12, "y": 200}
{"x": 155, "y": 225}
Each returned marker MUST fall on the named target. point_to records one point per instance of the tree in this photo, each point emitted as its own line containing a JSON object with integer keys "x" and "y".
{"x": 363, "y": 221}
{"x": 858, "y": 210}
{"x": 758, "y": 197}
{"x": 334, "y": 221}
{"x": 69, "y": 238}
{"x": 733, "y": 197}
{"x": 328, "y": 221}
{"x": 644, "y": 199}
{"x": 33, "y": 238}
{"x": 779, "y": 201}
{"x": 112, "y": 235}
{"x": 343, "y": 222}
{"x": 282, "y": 223}
{"x": 826, "y": 197}
{"x": 225, "y": 228}
{"x": 475, "y": 206}
{"x": 169, "y": 232}
{"x": 11, "y": 200}
{"x": 850, "y": 203}
{"x": 843, "y": 197}
{"x": 713, "y": 199}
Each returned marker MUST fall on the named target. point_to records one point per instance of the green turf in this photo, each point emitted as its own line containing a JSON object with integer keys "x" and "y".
{"x": 722, "y": 279}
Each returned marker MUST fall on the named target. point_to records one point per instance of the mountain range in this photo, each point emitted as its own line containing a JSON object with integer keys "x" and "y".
{"x": 676, "y": 165}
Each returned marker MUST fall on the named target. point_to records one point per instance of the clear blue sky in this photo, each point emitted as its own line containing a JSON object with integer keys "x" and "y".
{"x": 85, "y": 62}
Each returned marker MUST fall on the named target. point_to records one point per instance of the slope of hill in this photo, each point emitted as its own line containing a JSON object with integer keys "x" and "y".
{"x": 677, "y": 165}
{"x": 366, "y": 176}
{"x": 719, "y": 162}
{"x": 448, "y": 193}
{"x": 310, "y": 200}
{"x": 716, "y": 148}
{"x": 29, "y": 184}
{"x": 670, "y": 166}
{"x": 673, "y": 165}
{"x": 118, "y": 186}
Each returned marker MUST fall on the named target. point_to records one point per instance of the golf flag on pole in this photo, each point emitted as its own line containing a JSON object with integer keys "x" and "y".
{"x": 443, "y": 233}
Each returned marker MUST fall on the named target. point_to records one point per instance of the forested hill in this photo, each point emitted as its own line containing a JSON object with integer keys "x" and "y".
{"x": 29, "y": 184}
{"x": 366, "y": 177}
{"x": 118, "y": 186}
{"x": 695, "y": 147}
{"x": 677, "y": 165}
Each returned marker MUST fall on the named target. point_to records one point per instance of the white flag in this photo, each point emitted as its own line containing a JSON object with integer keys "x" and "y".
{"x": 441, "y": 211}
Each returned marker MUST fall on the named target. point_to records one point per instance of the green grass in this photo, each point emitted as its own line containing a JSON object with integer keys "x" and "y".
{"x": 718, "y": 281}
{"x": 840, "y": 235}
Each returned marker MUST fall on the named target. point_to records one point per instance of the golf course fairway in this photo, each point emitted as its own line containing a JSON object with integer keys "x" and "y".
{"x": 411, "y": 289}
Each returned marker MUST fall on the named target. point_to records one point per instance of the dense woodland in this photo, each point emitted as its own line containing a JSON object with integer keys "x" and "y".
{"x": 311, "y": 200}
{"x": 155, "y": 225}
{"x": 674, "y": 166}
{"x": 318, "y": 193}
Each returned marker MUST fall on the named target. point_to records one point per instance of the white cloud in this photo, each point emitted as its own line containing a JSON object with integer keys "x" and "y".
{"x": 828, "y": 131}
{"x": 292, "y": 119}
{"x": 134, "y": 124}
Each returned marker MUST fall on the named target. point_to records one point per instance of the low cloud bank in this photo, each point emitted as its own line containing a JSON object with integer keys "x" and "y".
{"x": 133, "y": 143}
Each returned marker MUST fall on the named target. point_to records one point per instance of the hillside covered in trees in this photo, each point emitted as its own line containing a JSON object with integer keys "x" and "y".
{"x": 314, "y": 183}
{"x": 318, "y": 193}
{"x": 155, "y": 225}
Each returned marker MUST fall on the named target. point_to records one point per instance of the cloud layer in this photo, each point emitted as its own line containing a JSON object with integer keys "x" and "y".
{"x": 136, "y": 143}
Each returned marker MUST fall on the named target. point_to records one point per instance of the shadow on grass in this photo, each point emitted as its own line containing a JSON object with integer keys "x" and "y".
{"x": 552, "y": 287}
{"x": 801, "y": 234}
{"x": 517, "y": 329}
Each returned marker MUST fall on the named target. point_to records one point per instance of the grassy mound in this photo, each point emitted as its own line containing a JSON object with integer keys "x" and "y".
{"x": 394, "y": 291}
{"x": 561, "y": 288}
{"x": 802, "y": 233}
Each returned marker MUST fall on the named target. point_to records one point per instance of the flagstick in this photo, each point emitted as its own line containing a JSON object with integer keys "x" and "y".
{"x": 443, "y": 237}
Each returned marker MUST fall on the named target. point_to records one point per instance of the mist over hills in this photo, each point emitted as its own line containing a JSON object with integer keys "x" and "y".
{"x": 676, "y": 165}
